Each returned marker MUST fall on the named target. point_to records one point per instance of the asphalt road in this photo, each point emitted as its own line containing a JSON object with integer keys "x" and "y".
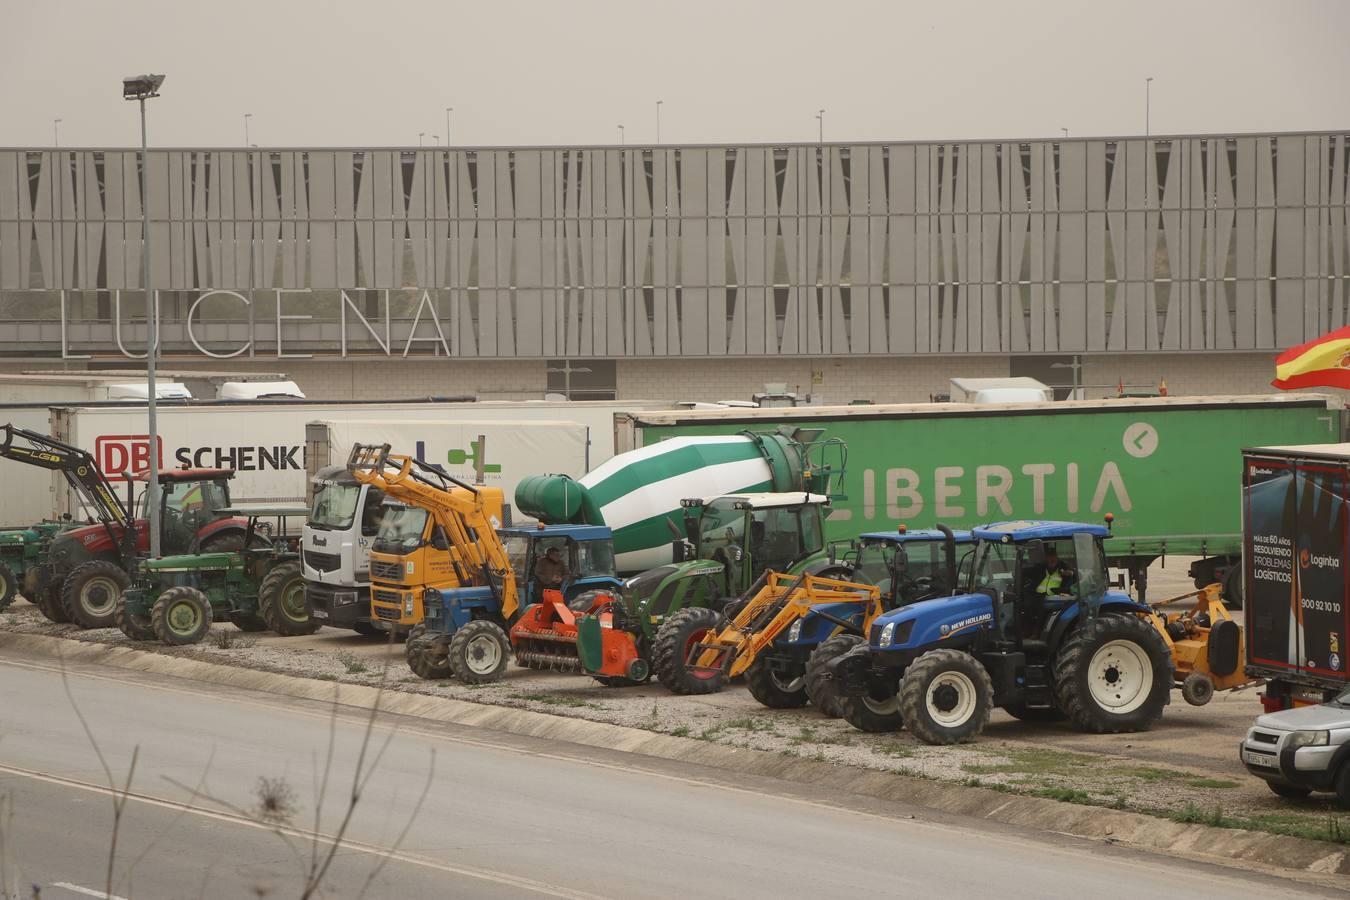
{"x": 500, "y": 815}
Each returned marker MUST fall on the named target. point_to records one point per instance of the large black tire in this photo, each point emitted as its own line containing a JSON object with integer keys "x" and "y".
{"x": 281, "y": 601}
{"x": 1113, "y": 674}
{"x": 946, "y": 697}
{"x": 1288, "y": 791}
{"x": 671, "y": 648}
{"x": 479, "y": 652}
{"x": 248, "y": 621}
{"x": 49, "y": 603}
{"x": 136, "y": 628}
{"x": 1343, "y": 785}
{"x": 181, "y": 615}
{"x": 424, "y": 658}
{"x": 366, "y": 629}
{"x": 1232, "y": 587}
{"x": 823, "y": 692}
{"x": 91, "y": 593}
{"x": 232, "y": 542}
{"x": 769, "y": 688}
{"x": 876, "y": 715}
{"x": 9, "y": 586}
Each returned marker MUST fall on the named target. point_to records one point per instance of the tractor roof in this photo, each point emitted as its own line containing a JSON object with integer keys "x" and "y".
{"x": 917, "y": 535}
{"x": 768, "y": 501}
{"x": 185, "y": 474}
{"x": 575, "y": 532}
{"x": 262, "y": 510}
{"x": 1028, "y": 531}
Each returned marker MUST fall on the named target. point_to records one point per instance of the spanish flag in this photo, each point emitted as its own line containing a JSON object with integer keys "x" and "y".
{"x": 1324, "y": 362}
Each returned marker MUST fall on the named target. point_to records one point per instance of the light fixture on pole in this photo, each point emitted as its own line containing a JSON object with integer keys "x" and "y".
{"x": 56, "y": 133}
{"x": 141, "y": 88}
{"x": 1077, "y": 366}
{"x": 437, "y": 139}
{"x": 1148, "y": 142}
{"x": 247, "y": 116}
{"x": 658, "y": 120}
{"x": 1066, "y": 131}
{"x": 1148, "y": 98}
{"x": 448, "y": 111}
{"x": 421, "y": 138}
{"x": 622, "y": 141}
{"x": 820, "y": 124}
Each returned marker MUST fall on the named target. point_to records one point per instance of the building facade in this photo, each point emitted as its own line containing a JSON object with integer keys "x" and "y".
{"x": 865, "y": 271}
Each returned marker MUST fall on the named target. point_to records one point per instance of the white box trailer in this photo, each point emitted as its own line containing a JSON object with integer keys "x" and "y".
{"x": 264, "y": 441}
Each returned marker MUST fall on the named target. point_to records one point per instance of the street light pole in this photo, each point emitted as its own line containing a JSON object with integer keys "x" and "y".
{"x": 56, "y": 133}
{"x": 247, "y": 116}
{"x": 820, "y": 122}
{"x": 621, "y": 137}
{"x": 658, "y": 120}
{"x": 448, "y": 111}
{"x": 437, "y": 139}
{"x": 1066, "y": 131}
{"x": 421, "y": 138}
{"x": 142, "y": 88}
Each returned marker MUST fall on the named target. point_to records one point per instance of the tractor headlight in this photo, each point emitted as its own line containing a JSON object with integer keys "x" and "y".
{"x": 795, "y": 631}
{"x": 887, "y": 633}
{"x": 1308, "y": 739}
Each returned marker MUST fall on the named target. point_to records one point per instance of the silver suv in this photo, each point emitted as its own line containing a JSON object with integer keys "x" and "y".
{"x": 1302, "y": 750}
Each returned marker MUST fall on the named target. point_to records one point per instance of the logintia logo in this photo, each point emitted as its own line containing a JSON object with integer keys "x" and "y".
{"x": 1307, "y": 558}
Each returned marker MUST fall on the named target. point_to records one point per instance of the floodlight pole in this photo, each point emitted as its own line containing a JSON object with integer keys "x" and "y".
{"x": 152, "y": 331}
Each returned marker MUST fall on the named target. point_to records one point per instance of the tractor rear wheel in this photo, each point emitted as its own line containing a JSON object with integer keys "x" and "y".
{"x": 670, "y": 652}
{"x": 425, "y": 658}
{"x": 48, "y": 601}
{"x": 248, "y": 621}
{"x": 136, "y": 628}
{"x": 9, "y": 586}
{"x": 92, "y": 591}
{"x": 772, "y": 689}
{"x": 822, "y": 691}
{"x": 181, "y": 615}
{"x": 946, "y": 697}
{"x": 281, "y": 601}
{"x": 876, "y": 715}
{"x": 479, "y": 652}
{"x": 1113, "y": 674}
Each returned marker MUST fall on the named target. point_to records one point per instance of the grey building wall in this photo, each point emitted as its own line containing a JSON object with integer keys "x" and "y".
{"x": 1047, "y": 247}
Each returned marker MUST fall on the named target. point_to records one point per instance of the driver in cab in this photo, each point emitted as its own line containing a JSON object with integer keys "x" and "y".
{"x": 1057, "y": 576}
{"x": 551, "y": 570}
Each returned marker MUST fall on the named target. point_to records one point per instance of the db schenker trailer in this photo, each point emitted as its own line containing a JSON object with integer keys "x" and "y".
{"x": 1164, "y": 466}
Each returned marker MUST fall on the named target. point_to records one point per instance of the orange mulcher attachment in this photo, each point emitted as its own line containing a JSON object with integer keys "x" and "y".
{"x": 549, "y": 635}
{"x": 1206, "y": 644}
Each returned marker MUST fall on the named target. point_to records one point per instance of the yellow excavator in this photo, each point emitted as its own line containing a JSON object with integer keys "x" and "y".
{"x": 438, "y": 568}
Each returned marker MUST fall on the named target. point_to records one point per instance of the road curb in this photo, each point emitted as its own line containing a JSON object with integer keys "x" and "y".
{"x": 1136, "y": 830}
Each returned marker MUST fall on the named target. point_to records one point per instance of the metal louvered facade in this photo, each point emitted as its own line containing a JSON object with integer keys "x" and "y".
{"x": 1076, "y": 246}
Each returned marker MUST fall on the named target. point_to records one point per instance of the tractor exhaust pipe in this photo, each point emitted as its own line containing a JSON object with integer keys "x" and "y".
{"x": 949, "y": 550}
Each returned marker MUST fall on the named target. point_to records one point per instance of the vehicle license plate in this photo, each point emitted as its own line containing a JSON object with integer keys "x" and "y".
{"x": 1259, "y": 759}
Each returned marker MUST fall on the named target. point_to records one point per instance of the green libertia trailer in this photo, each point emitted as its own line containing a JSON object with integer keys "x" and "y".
{"x": 1164, "y": 467}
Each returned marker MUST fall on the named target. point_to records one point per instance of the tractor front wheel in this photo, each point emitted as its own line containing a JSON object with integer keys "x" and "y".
{"x": 135, "y": 627}
{"x": 92, "y": 591}
{"x": 479, "y": 652}
{"x": 427, "y": 658}
{"x": 1113, "y": 674}
{"x": 670, "y": 652}
{"x": 774, "y": 690}
{"x": 48, "y": 601}
{"x": 281, "y": 601}
{"x": 9, "y": 586}
{"x": 946, "y": 697}
{"x": 876, "y": 715}
{"x": 181, "y": 615}
{"x": 822, "y": 691}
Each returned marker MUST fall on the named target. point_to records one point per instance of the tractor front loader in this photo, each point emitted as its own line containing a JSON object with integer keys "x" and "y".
{"x": 699, "y": 654}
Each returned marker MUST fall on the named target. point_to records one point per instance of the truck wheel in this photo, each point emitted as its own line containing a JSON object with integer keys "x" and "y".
{"x": 772, "y": 689}
{"x": 91, "y": 592}
{"x": 1232, "y": 587}
{"x": 479, "y": 652}
{"x": 1343, "y": 786}
{"x": 946, "y": 697}
{"x": 427, "y": 658}
{"x": 9, "y": 586}
{"x": 248, "y": 621}
{"x": 181, "y": 615}
{"x": 281, "y": 601}
{"x": 49, "y": 603}
{"x": 670, "y": 652}
{"x": 1288, "y": 791}
{"x": 1113, "y": 674}
{"x": 136, "y": 628}
{"x": 876, "y": 715}
{"x": 822, "y": 691}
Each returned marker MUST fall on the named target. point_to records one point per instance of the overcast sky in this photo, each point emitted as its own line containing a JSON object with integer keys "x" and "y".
{"x": 368, "y": 73}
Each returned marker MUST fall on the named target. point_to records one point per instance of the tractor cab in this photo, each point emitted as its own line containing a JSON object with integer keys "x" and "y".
{"x": 750, "y": 534}
{"x": 909, "y": 564}
{"x": 190, "y": 501}
{"x": 586, "y": 553}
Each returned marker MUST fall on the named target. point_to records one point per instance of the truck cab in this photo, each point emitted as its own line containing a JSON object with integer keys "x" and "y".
{"x": 344, "y": 520}
{"x": 586, "y": 550}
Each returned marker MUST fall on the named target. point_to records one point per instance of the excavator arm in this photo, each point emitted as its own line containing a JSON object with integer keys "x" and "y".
{"x": 78, "y": 467}
{"x": 453, "y": 503}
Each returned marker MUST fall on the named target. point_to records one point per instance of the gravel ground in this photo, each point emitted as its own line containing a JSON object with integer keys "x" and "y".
{"x": 1186, "y": 767}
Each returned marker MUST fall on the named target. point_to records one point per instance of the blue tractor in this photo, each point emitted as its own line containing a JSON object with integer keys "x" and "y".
{"x": 1036, "y": 631}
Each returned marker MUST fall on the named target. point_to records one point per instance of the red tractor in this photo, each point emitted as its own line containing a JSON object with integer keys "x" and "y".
{"x": 85, "y": 569}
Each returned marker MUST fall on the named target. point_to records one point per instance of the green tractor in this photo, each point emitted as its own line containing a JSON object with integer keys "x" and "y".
{"x": 174, "y": 599}
{"x": 22, "y": 552}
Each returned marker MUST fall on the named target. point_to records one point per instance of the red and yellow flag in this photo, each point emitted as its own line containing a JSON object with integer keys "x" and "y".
{"x": 1324, "y": 362}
